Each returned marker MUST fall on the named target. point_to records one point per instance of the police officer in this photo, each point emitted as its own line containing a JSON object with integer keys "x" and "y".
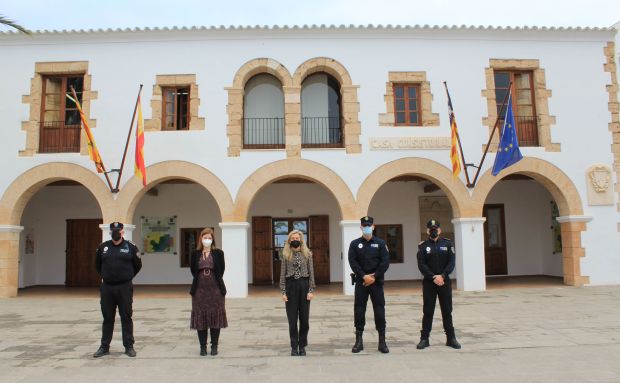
{"x": 117, "y": 262}
{"x": 436, "y": 262}
{"x": 369, "y": 260}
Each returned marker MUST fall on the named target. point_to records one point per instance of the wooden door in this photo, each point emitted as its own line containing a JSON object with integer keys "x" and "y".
{"x": 319, "y": 244}
{"x": 83, "y": 238}
{"x": 495, "y": 258}
{"x": 262, "y": 251}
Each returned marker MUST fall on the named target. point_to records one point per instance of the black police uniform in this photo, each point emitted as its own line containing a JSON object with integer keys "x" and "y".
{"x": 368, "y": 257}
{"x": 436, "y": 258}
{"x": 117, "y": 265}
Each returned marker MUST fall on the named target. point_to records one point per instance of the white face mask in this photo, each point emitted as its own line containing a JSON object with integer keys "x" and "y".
{"x": 206, "y": 242}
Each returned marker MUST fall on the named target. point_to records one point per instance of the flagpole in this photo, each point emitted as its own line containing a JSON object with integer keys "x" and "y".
{"x": 105, "y": 173}
{"x": 501, "y": 112}
{"x": 133, "y": 118}
{"x": 458, "y": 138}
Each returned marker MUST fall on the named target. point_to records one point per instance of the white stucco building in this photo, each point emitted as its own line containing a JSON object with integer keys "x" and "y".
{"x": 254, "y": 131}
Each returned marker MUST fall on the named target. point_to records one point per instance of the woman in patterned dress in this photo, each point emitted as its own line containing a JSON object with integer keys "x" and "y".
{"x": 297, "y": 285}
{"x": 208, "y": 290}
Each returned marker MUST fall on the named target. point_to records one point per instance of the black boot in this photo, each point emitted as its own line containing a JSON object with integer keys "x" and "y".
{"x": 452, "y": 342}
{"x": 101, "y": 352}
{"x": 382, "y": 345}
{"x": 215, "y": 337}
{"x": 359, "y": 343}
{"x": 202, "y": 339}
{"x": 302, "y": 351}
{"x": 423, "y": 344}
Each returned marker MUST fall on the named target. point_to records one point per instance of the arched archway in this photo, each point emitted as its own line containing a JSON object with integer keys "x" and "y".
{"x": 568, "y": 200}
{"x": 295, "y": 168}
{"x": 402, "y": 196}
{"x": 92, "y": 191}
{"x": 294, "y": 194}
{"x": 133, "y": 190}
{"x": 20, "y": 191}
{"x": 440, "y": 175}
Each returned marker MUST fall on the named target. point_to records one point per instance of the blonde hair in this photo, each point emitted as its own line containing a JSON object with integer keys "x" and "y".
{"x": 206, "y": 230}
{"x": 288, "y": 252}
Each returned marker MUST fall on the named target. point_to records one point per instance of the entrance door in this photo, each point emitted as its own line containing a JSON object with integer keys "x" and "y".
{"x": 319, "y": 243}
{"x": 495, "y": 240}
{"x": 262, "y": 251}
{"x": 83, "y": 237}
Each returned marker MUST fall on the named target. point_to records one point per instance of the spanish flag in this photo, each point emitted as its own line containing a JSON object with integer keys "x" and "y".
{"x": 454, "y": 151}
{"x": 92, "y": 148}
{"x": 140, "y": 169}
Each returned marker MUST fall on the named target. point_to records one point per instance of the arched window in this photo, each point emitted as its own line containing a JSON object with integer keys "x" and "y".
{"x": 263, "y": 113}
{"x": 321, "y": 117}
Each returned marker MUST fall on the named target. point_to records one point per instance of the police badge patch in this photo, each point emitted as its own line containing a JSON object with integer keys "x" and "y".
{"x": 360, "y": 245}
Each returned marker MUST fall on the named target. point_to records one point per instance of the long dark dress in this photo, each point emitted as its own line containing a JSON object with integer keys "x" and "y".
{"x": 208, "y": 309}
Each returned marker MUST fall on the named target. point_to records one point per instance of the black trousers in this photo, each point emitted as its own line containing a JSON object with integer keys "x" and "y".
{"x": 298, "y": 307}
{"x": 375, "y": 291}
{"x": 120, "y": 296}
{"x": 430, "y": 293}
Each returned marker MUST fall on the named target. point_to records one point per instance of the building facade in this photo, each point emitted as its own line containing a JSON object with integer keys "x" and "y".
{"x": 255, "y": 131}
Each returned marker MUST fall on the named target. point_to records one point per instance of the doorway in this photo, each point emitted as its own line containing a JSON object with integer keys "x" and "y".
{"x": 83, "y": 238}
{"x": 495, "y": 259}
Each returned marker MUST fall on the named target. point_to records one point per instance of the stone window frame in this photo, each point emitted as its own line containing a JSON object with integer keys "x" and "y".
{"x": 541, "y": 100}
{"x": 35, "y": 98}
{"x": 429, "y": 119}
{"x": 155, "y": 123}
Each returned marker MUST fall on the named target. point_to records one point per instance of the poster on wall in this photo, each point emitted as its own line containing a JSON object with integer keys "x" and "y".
{"x": 29, "y": 241}
{"x": 158, "y": 234}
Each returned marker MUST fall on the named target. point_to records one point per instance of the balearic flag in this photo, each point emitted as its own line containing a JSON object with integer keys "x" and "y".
{"x": 92, "y": 148}
{"x": 508, "y": 152}
{"x": 140, "y": 169}
{"x": 454, "y": 150}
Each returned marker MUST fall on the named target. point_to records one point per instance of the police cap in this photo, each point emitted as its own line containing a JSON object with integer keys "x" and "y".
{"x": 366, "y": 221}
{"x": 116, "y": 226}
{"x": 432, "y": 223}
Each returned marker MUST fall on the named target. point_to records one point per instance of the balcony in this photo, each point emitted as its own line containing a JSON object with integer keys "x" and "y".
{"x": 321, "y": 132}
{"x": 56, "y": 137}
{"x": 527, "y": 130}
{"x": 263, "y": 133}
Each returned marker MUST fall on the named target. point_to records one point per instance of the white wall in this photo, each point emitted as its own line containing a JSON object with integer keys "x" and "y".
{"x": 194, "y": 208}
{"x": 45, "y": 215}
{"x": 529, "y": 240}
{"x": 571, "y": 60}
{"x": 303, "y": 200}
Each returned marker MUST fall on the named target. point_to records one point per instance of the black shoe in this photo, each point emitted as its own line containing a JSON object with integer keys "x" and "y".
{"x": 203, "y": 350}
{"x": 423, "y": 344}
{"x": 214, "y": 349}
{"x": 294, "y": 351}
{"x": 359, "y": 342}
{"x": 130, "y": 352}
{"x": 101, "y": 352}
{"x": 382, "y": 345}
{"x": 452, "y": 342}
{"x": 302, "y": 351}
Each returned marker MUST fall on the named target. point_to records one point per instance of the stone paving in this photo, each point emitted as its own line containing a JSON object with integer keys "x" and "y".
{"x": 552, "y": 334}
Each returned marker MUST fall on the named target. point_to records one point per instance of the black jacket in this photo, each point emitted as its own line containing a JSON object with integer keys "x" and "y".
{"x": 436, "y": 258}
{"x": 367, "y": 257}
{"x": 117, "y": 263}
{"x": 219, "y": 265}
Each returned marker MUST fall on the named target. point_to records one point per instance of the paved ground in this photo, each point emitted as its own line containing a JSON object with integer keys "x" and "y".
{"x": 551, "y": 334}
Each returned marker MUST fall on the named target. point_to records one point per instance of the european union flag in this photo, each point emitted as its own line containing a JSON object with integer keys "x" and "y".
{"x": 508, "y": 152}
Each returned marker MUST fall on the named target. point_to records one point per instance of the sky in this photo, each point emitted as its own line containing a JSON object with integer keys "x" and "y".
{"x": 95, "y": 14}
